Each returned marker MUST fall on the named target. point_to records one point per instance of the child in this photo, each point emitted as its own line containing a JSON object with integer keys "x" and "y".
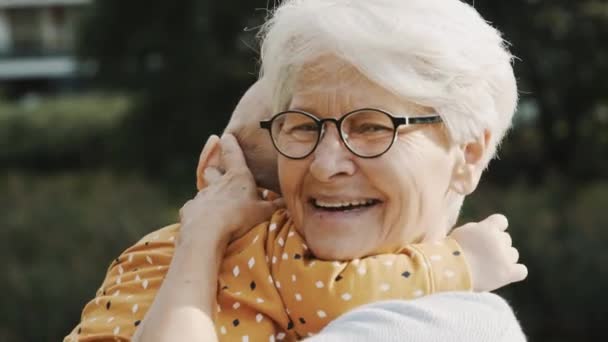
{"x": 270, "y": 286}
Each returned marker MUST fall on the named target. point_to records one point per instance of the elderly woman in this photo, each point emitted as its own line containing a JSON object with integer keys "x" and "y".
{"x": 387, "y": 111}
{"x": 394, "y": 107}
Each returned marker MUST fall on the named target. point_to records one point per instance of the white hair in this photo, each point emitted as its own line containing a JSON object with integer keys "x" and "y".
{"x": 436, "y": 53}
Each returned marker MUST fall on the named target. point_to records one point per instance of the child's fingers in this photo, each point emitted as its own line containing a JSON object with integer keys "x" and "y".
{"x": 513, "y": 254}
{"x": 497, "y": 221}
{"x": 519, "y": 272}
{"x": 507, "y": 240}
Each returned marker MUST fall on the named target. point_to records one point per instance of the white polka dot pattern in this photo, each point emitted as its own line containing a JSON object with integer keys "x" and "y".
{"x": 314, "y": 291}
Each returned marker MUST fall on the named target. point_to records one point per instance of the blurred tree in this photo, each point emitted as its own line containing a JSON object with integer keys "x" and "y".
{"x": 186, "y": 61}
{"x": 560, "y": 232}
{"x": 562, "y": 50}
{"x": 59, "y": 234}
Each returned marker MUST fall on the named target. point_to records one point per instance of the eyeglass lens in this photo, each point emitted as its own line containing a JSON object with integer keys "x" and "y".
{"x": 367, "y": 133}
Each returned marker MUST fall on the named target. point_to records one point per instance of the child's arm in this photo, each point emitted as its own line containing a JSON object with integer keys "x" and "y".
{"x": 317, "y": 291}
{"x": 477, "y": 256}
{"x": 488, "y": 250}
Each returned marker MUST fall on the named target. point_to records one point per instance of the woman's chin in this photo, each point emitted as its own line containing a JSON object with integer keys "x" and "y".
{"x": 337, "y": 251}
{"x": 348, "y": 247}
{"x": 332, "y": 255}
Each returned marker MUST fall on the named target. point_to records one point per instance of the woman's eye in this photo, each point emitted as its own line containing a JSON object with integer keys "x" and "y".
{"x": 304, "y": 128}
{"x": 373, "y": 128}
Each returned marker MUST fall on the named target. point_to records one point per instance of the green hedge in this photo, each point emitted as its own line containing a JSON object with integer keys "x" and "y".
{"x": 59, "y": 233}
{"x": 61, "y": 132}
{"x": 57, "y": 237}
{"x": 561, "y": 232}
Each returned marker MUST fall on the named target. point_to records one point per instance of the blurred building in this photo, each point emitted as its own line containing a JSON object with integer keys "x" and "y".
{"x": 37, "y": 42}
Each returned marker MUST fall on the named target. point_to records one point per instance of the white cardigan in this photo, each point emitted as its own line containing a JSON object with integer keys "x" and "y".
{"x": 456, "y": 316}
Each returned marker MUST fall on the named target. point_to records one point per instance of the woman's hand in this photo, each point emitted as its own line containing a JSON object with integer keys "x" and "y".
{"x": 489, "y": 253}
{"x": 229, "y": 205}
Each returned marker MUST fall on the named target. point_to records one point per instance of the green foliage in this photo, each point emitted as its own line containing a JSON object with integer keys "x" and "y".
{"x": 59, "y": 234}
{"x": 561, "y": 53}
{"x": 60, "y": 132}
{"x": 191, "y": 59}
{"x": 188, "y": 60}
{"x": 560, "y": 231}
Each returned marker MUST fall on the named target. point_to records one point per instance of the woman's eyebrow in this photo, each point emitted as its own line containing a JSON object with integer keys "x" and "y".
{"x": 306, "y": 109}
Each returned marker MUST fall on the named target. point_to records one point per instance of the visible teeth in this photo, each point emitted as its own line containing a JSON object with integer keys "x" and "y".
{"x": 354, "y": 203}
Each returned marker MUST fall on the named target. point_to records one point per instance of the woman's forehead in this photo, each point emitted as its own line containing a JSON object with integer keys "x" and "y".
{"x": 346, "y": 92}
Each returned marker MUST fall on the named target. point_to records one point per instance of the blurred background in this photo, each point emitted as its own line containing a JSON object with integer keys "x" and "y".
{"x": 105, "y": 105}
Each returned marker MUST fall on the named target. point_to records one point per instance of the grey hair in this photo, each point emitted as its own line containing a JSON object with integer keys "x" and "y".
{"x": 436, "y": 53}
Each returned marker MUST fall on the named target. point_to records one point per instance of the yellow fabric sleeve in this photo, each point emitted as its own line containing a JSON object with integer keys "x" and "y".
{"x": 447, "y": 267}
{"x": 249, "y": 306}
{"x": 269, "y": 284}
{"x": 315, "y": 292}
{"x": 128, "y": 290}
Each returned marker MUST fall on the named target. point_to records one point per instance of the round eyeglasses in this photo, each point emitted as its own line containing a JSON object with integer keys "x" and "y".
{"x": 367, "y": 132}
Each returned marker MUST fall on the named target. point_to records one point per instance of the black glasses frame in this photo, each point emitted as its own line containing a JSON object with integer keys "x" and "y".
{"x": 320, "y": 123}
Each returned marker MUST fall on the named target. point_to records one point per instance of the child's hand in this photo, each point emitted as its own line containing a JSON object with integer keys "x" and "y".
{"x": 488, "y": 251}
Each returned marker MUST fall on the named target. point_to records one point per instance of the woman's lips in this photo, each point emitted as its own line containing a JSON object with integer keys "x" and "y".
{"x": 343, "y": 205}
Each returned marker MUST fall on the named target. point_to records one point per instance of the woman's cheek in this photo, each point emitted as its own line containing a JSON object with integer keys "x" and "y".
{"x": 286, "y": 180}
{"x": 292, "y": 176}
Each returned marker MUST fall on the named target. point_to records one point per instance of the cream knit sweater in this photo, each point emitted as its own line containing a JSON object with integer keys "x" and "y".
{"x": 456, "y": 316}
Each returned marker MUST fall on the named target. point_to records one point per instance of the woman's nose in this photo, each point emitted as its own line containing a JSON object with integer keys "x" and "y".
{"x": 331, "y": 158}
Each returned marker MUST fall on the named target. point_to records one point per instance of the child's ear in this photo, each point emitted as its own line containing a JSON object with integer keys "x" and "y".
{"x": 469, "y": 165}
{"x": 210, "y": 156}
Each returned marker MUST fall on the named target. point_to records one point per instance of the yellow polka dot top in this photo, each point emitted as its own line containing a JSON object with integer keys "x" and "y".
{"x": 270, "y": 287}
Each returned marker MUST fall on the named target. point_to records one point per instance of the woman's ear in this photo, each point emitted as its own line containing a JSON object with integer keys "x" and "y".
{"x": 210, "y": 156}
{"x": 470, "y": 164}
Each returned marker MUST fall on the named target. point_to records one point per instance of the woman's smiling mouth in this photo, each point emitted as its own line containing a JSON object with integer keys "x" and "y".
{"x": 343, "y": 205}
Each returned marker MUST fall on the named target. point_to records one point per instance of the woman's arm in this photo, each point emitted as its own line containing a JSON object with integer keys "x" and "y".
{"x": 185, "y": 300}
{"x": 182, "y": 310}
